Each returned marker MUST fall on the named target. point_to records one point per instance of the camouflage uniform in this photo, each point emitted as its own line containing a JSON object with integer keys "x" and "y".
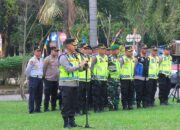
{"x": 113, "y": 93}
{"x": 113, "y": 85}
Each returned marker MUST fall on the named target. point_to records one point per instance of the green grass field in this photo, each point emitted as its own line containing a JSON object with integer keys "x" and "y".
{"x": 14, "y": 116}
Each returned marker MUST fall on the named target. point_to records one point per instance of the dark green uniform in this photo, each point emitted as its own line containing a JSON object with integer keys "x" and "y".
{"x": 113, "y": 80}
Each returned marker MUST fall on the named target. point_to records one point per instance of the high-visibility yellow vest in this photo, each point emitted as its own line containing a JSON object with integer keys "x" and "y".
{"x": 100, "y": 70}
{"x": 153, "y": 67}
{"x": 127, "y": 69}
{"x": 82, "y": 74}
{"x": 165, "y": 65}
{"x": 69, "y": 76}
{"x": 114, "y": 70}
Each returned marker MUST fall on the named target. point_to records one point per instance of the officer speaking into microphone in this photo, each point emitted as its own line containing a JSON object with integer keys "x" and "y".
{"x": 68, "y": 80}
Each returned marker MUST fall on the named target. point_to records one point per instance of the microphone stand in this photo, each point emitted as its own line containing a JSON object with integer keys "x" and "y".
{"x": 87, "y": 119}
{"x": 86, "y": 86}
{"x": 177, "y": 87}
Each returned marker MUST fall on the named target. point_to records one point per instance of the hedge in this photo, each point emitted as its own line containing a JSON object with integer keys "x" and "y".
{"x": 12, "y": 63}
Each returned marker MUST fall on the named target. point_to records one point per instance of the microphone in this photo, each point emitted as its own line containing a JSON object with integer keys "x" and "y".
{"x": 77, "y": 50}
{"x": 86, "y": 65}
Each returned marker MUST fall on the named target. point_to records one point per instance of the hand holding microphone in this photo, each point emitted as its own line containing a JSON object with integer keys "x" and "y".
{"x": 82, "y": 64}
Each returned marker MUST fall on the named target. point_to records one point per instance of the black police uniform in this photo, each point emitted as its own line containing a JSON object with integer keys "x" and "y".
{"x": 140, "y": 82}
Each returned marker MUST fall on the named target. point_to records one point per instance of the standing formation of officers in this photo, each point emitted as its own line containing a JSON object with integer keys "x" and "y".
{"x": 96, "y": 77}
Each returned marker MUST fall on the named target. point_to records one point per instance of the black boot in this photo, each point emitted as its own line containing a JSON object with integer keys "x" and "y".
{"x": 66, "y": 122}
{"x": 53, "y": 108}
{"x": 46, "y": 109}
{"x": 138, "y": 105}
{"x": 116, "y": 107}
{"x": 72, "y": 121}
{"x": 166, "y": 102}
{"x": 125, "y": 107}
{"x": 144, "y": 105}
{"x": 130, "y": 107}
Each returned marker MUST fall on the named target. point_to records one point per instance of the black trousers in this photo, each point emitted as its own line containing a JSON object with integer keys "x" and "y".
{"x": 127, "y": 92}
{"x": 164, "y": 88}
{"x": 90, "y": 98}
{"x": 50, "y": 92}
{"x": 69, "y": 101}
{"x": 59, "y": 96}
{"x": 35, "y": 93}
{"x": 104, "y": 94}
{"x": 97, "y": 95}
{"x": 151, "y": 91}
{"x": 141, "y": 91}
{"x": 82, "y": 95}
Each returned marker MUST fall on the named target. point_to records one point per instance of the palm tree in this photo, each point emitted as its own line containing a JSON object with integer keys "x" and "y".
{"x": 54, "y": 8}
{"x": 93, "y": 22}
{"x": 67, "y": 9}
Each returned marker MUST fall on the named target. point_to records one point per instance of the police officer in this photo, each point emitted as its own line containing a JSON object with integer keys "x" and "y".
{"x": 99, "y": 85}
{"x": 114, "y": 78}
{"x": 127, "y": 77}
{"x": 140, "y": 78}
{"x": 164, "y": 76}
{"x": 34, "y": 72}
{"x": 153, "y": 71}
{"x": 83, "y": 84}
{"x": 108, "y": 51}
{"x": 51, "y": 75}
{"x": 68, "y": 80}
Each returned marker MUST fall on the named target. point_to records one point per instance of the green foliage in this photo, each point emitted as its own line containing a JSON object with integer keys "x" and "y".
{"x": 12, "y": 63}
{"x": 8, "y": 10}
{"x": 158, "y": 21}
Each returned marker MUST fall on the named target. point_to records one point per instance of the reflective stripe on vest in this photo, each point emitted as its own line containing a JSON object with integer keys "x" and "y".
{"x": 165, "y": 65}
{"x": 100, "y": 70}
{"x": 153, "y": 67}
{"x": 69, "y": 76}
{"x": 116, "y": 73}
{"x": 127, "y": 69}
{"x": 82, "y": 74}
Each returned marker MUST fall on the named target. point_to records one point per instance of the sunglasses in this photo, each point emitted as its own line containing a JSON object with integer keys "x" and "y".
{"x": 74, "y": 45}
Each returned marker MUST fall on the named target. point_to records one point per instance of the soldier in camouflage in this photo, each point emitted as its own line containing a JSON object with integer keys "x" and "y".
{"x": 114, "y": 78}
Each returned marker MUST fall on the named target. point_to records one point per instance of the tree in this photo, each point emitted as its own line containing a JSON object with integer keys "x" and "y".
{"x": 8, "y": 14}
{"x": 157, "y": 20}
{"x": 53, "y": 8}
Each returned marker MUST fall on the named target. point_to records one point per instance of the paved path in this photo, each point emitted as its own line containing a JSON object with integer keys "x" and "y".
{"x": 11, "y": 97}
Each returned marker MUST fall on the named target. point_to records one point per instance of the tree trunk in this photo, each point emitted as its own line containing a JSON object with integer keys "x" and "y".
{"x": 23, "y": 79}
{"x": 24, "y": 62}
{"x": 109, "y": 30}
{"x": 93, "y": 22}
{"x": 69, "y": 16}
{"x": 5, "y": 46}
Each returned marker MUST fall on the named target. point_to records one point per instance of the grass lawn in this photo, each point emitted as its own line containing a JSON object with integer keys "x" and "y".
{"x": 14, "y": 116}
